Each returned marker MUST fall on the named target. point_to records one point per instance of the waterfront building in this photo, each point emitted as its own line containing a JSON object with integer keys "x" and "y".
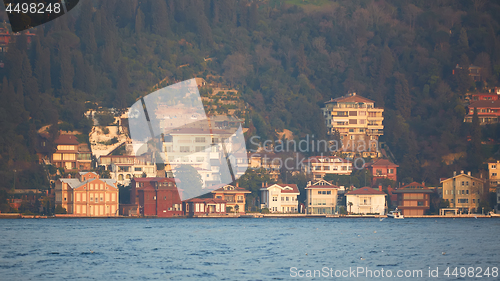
{"x": 234, "y": 197}
{"x": 157, "y": 197}
{"x": 494, "y": 174}
{"x": 463, "y": 192}
{"x": 280, "y": 198}
{"x": 413, "y": 199}
{"x": 366, "y": 200}
{"x": 321, "y": 197}
{"x": 88, "y": 195}
{"x": 197, "y": 207}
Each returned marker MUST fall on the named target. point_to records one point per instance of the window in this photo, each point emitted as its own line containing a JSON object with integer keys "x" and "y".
{"x": 317, "y": 168}
{"x": 138, "y": 169}
{"x": 329, "y": 192}
{"x": 378, "y": 172}
{"x": 319, "y": 192}
{"x": 275, "y": 198}
{"x": 463, "y": 182}
{"x": 287, "y": 198}
{"x": 184, "y": 148}
{"x": 326, "y": 168}
{"x": 199, "y": 148}
{"x": 467, "y": 183}
{"x": 199, "y": 139}
{"x": 282, "y": 198}
{"x": 420, "y": 203}
{"x": 391, "y": 171}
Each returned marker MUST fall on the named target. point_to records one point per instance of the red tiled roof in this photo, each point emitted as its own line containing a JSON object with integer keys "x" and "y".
{"x": 156, "y": 179}
{"x": 365, "y": 191}
{"x": 66, "y": 139}
{"x": 412, "y": 188}
{"x": 485, "y": 103}
{"x": 205, "y": 200}
{"x": 382, "y": 162}
{"x": 354, "y": 98}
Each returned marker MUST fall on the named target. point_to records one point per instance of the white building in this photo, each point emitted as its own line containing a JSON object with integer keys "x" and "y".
{"x": 125, "y": 167}
{"x": 280, "y": 198}
{"x": 366, "y": 200}
{"x": 321, "y": 197}
{"x": 357, "y": 120}
{"x": 319, "y": 166}
{"x": 494, "y": 173}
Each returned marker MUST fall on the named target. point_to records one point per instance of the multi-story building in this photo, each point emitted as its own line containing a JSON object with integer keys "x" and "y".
{"x": 88, "y": 195}
{"x": 157, "y": 197}
{"x": 463, "y": 192}
{"x": 321, "y": 197}
{"x": 319, "y": 166}
{"x": 357, "y": 120}
{"x": 66, "y": 153}
{"x": 280, "y": 198}
{"x": 269, "y": 161}
{"x": 494, "y": 173}
{"x": 383, "y": 169}
{"x": 413, "y": 199}
{"x": 488, "y": 111}
{"x": 84, "y": 157}
{"x": 7, "y": 37}
{"x": 490, "y": 96}
{"x": 123, "y": 168}
{"x": 366, "y": 200}
{"x": 234, "y": 197}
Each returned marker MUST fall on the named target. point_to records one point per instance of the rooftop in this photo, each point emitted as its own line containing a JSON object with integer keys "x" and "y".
{"x": 365, "y": 191}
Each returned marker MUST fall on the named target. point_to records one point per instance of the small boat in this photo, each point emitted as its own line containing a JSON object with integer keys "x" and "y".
{"x": 396, "y": 214}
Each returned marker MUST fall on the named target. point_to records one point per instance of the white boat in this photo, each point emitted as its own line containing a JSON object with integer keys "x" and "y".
{"x": 396, "y": 214}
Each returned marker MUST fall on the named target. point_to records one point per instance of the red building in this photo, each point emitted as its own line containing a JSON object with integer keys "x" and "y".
{"x": 488, "y": 111}
{"x": 413, "y": 199}
{"x": 201, "y": 207}
{"x": 383, "y": 169}
{"x": 7, "y": 37}
{"x": 156, "y": 197}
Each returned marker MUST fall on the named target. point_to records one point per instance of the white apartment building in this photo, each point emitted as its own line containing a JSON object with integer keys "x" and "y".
{"x": 356, "y": 119}
{"x": 123, "y": 168}
{"x": 494, "y": 173}
{"x": 366, "y": 200}
{"x": 280, "y": 198}
{"x": 319, "y": 166}
{"x": 321, "y": 197}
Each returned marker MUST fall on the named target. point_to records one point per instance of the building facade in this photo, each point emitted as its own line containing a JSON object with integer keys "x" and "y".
{"x": 413, "y": 199}
{"x": 358, "y": 122}
{"x": 123, "y": 168}
{"x": 463, "y": 192}
{"x": 494, "y": 173}
{"x": 319, "y": 166}
{"x": 202, "y": 207}
{"x": 88, "y": 195}
{"x": 280, "y": 198}
{"x": 321, "y": 198}
{"x": 156, "y": 197}
{"x": 234, "y": 197}
{"x": 366, "y": 200}
{"x": 383, "y": 169}
{"x": 488, "y": 111}
{"x": 66, "y": 152}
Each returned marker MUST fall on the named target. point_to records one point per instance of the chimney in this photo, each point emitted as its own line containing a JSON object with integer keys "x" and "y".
{"x": 380, "y": 187}
{"x": 461, "y": 171}
{"x": 454, "y": 173}
{"x": 69, "y": 176}
{"x": 354, "y": 93}
{"x": 468, "y": 173}
{"x": 262, "y": 184}
{"x": 423, "y": 183}
{"x": 237, "y": 184}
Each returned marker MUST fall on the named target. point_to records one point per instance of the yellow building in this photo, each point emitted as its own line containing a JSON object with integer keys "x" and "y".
{"x": 321, "y": 197}
{"x": 88, "y": 195}
{"x": 494, "y": 173}
{"x": 234, "y": 195}
{"x": 463, "y": 192}
{"x": 357, "y": 120}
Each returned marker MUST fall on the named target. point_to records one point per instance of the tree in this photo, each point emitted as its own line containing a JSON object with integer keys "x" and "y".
{"x": 159, "y": 16}
{"x": 474, "y": 152}
{"x": 190, "y": 181}
{"x": 60, "y": 210}
{"x": 350, "y": 206}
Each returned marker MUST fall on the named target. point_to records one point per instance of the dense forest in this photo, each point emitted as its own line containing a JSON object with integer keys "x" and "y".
{"x": 285, "y": 57}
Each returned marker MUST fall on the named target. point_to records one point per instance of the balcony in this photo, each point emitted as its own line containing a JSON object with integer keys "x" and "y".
{"x": 240, "y": 201}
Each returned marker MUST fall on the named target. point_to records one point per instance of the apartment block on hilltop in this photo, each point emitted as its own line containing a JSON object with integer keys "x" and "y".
{"x": 319, "y": 166}
{"x": 88, "y": 195}
{"x": 321, "y": 197}
{"x": 463, "y": 192}
{"x": 357, "y": 120}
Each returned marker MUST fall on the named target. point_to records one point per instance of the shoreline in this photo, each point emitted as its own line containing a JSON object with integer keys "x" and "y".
{"x": 243, "y": 216}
